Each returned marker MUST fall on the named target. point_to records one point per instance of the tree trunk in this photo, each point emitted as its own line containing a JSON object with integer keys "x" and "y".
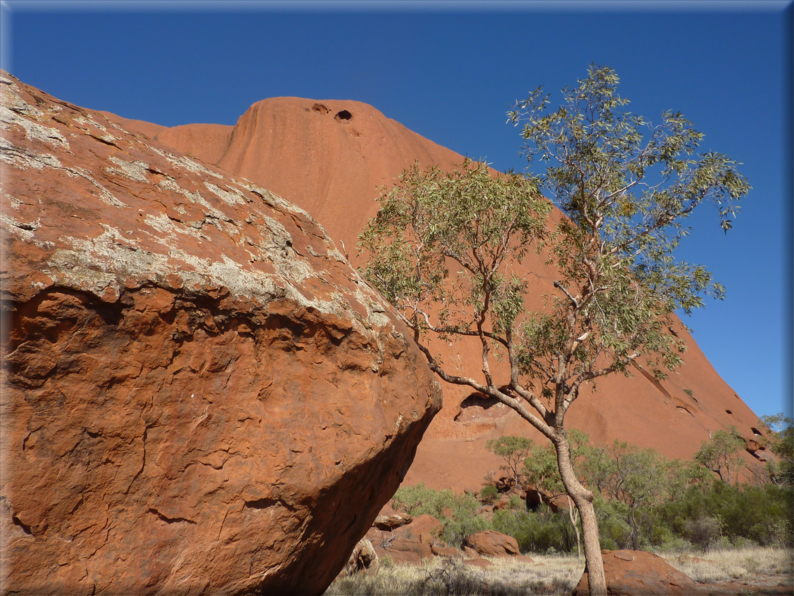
{"x": 574, "y": 520}
{"x": 635, "y": 533}
{"x": 583, "y": 499}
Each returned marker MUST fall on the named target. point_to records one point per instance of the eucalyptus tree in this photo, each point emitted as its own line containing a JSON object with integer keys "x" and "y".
{"x": 444, "y": 249}
{"x": 722, "y": 453}
{"x": 639, "y": 479}
{"x": 513, "y": 450}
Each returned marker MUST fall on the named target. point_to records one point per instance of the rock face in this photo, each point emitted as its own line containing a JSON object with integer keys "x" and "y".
{"x": 331, "y": 165}
{"x": 639, "y": 573}
{"x": 199, "y": 395}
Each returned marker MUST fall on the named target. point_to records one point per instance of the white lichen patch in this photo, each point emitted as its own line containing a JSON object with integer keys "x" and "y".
{"x": 180, "y": 161}
{"x": 235, "y": 197}
{"x": 193, "y": 197}
{"x": 10, "y": 99}
{"x": 25, "y": 159}
{"x": 273, "y": 200}
{"x": 167, "y": 228}
{"x": 22, "y": 229}
{"x": 15, "y": 203}
{"x": 104, "y": 193}
{"x": 33, "y": 130}
{"x": 134, "y": 170}
{"x": 89, "y": 119}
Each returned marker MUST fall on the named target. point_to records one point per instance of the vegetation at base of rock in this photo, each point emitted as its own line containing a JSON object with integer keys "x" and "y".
{"x": 642, "y": 501}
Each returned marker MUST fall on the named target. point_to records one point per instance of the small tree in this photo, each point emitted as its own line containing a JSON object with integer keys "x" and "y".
{"x": 618, "y": 285}
{"x": 639, "y": 479}
{"x": 721, "y": 453}
{"x": 780, "y": 442}
{"x": 513, "y": 450}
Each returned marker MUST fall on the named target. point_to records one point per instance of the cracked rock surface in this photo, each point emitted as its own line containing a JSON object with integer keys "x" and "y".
{"x": 199, "y": 394}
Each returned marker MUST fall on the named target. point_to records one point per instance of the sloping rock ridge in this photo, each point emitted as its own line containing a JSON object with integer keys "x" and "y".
{"x": 331, "y": 166}
{"x": 199, "y": 394}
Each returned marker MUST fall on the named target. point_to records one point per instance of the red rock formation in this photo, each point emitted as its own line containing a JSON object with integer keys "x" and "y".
{"x": 331, "y": 167}
{"x": 639, "y": 573}
{"x": 409, "y": 543}
{"x": 490, "y": 543}
{"x": 199, "y": 395}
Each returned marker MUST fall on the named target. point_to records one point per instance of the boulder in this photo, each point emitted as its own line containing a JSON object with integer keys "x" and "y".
{"x": 502, "y": 503}
{"x": 199, "y": 394}
{"x": 410, "y": 543}
{"x": 403, "y": 551}
{"x": 469, "y": 553}
{"x": 363, "y": 559}
{"x": 490, "y": 543}
{"x": 440, "y": 549}
{"x": 424, "y": 528}
{"x": 389, "y": 518}
{"x": 639, "y": 573}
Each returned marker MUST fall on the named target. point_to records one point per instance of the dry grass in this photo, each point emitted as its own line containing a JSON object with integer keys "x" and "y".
{"x": 552, "y": 575}
{"x": 755, "y": 565}
{"x": 546, "y": 575}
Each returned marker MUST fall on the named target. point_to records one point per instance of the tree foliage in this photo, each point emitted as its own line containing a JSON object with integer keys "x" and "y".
{"x": 722, "y": 453}
{"x": 781, "y": 443}
{"x": 513, "y": 450}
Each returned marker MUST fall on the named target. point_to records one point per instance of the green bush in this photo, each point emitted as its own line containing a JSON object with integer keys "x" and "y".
{"x": 489, "y": 494}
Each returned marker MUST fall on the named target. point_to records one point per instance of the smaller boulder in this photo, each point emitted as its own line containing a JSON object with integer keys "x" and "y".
{"x": 442, "y": 550}
{"x": 404, "y": 550}
{"x": 363, "y": 559}
{"x": 639, "y": 573}
{"x": 492, "y": 544}
{"x": 502, "y": 503}
{"x": 424, "y": 528}
{"x": 389, "y": 518}
{"x": 470, "y": 553}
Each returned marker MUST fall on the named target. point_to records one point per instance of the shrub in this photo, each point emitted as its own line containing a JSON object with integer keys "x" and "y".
{"x": 489, "y": 494}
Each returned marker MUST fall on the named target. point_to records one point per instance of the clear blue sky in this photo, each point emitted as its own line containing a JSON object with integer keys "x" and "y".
{"x": 450, "y": 72}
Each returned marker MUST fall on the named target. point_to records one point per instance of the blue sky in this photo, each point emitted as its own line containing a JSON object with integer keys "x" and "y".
{"x": 450, "y": 71}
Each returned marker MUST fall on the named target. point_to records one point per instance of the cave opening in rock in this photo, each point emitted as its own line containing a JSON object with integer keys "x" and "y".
{"x": 343, "y": 115}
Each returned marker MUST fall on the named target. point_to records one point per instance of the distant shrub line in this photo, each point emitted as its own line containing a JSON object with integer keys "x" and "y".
{"x": 642, "y": 501}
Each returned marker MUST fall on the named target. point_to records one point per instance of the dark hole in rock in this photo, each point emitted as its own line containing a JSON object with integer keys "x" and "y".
{"x": 478, "y": 405}
{"x": 18, "y": 522}
{"x": 343, "y": 115}
{"x": 756, "y": 432}
{"x": 318, "y": 107}
{"x": 728, "y": 412}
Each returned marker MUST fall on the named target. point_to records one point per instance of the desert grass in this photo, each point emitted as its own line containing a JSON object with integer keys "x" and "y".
{"x": 545, "y": 575}
{"x": 751, "y": 565}
{"x": 557, "y": 574}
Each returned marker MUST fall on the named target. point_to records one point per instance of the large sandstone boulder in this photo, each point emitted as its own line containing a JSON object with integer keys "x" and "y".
{"x": 639, "y": 573}
{"x": 199, "y": 394}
